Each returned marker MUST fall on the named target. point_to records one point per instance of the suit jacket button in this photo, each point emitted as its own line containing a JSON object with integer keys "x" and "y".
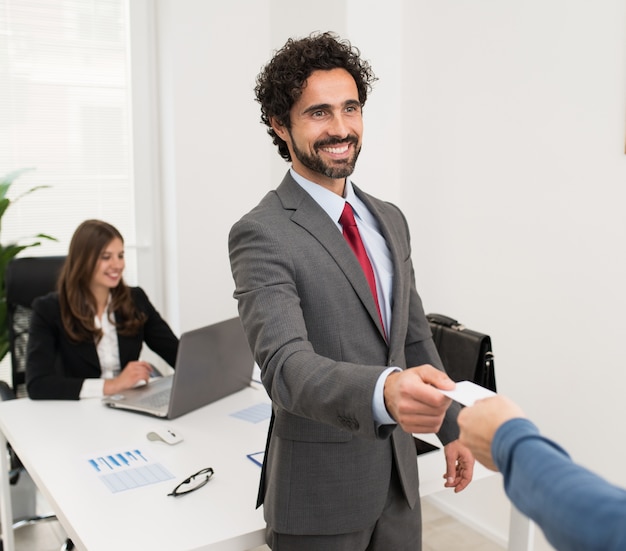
{"x": 350, "y": 424}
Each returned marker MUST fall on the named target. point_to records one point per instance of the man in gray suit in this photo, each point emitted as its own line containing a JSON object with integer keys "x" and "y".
{"x": 348, "y": 365}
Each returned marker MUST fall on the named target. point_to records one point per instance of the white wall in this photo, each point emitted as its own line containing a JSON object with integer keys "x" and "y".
{"x": 217, "y": 161}
{"x": 209, "y": 54}
{"x": 517, "y": 133}
{"x": 497, "y": 125}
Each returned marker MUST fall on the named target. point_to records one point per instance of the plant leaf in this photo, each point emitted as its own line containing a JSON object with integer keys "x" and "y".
{"x": 45, "y": 236}
{"x": 3, "y": 312}
{"x": 11, "y": 251}
{"x": 8, "y": 179}
{"x": 30, "y": 191}
{"x": 4, "y": 346}
{"x": 4, "y": 205}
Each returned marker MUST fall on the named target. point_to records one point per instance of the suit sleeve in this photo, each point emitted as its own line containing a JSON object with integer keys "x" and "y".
{"x": 287, "y": 304}
{"x": 45, "y": 379}
{"x": 157, "y": 334}
{"x": 575, "y": 508}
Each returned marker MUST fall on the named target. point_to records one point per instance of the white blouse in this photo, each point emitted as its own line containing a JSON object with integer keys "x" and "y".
{"x": 108, "y": 354}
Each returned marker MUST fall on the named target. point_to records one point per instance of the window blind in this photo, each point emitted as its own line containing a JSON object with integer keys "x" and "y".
{"x": 65, "y": 113}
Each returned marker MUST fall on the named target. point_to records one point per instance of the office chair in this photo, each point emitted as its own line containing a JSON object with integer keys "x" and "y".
{"x": 25, "y": 279}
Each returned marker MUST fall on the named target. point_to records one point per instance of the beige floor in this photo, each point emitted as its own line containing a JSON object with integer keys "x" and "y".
{"x": 441, "y": 533}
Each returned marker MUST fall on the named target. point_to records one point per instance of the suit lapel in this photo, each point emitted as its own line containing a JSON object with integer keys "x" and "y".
{"x": 311, "y": 217}
{"x": 396, "y": 335}
{"x": 88, "y": 355}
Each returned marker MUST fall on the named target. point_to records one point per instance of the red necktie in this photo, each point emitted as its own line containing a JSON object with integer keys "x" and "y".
{"x": 352, "y": 236}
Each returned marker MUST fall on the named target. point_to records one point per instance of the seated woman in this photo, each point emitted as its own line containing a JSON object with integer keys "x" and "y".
{"x": 85, "y": 339}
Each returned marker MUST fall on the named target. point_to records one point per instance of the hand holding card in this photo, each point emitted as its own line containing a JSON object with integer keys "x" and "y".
{"x": 467, "y": 392}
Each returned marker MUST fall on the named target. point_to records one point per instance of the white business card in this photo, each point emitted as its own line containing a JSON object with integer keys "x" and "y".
{"x": 467, "y": 392}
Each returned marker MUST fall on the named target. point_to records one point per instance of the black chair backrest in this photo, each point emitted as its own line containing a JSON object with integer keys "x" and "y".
{"x": 26, "y": 279}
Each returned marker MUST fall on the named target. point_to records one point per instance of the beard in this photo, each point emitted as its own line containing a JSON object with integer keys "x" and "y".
{"x": 339, "y": 169}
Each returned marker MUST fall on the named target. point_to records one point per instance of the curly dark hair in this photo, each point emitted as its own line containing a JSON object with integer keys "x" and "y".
{"x": 280, "y": 83}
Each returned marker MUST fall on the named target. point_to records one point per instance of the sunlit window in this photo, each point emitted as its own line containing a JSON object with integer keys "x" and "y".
{"x": 65, "y": 112}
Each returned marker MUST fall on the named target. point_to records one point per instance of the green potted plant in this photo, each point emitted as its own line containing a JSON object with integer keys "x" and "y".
{"x": 8, "y": 251}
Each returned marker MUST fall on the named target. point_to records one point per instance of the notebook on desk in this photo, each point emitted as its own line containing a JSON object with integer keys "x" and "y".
{"x": 212, "y": 362}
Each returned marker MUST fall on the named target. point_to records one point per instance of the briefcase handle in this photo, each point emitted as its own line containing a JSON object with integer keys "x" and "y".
{"x": 446, "y": 321}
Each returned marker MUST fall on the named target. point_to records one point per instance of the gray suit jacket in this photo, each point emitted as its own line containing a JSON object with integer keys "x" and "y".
{"x": 312, "y": 322}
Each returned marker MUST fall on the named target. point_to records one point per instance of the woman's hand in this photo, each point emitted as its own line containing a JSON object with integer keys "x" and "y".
{"x": 133, "y": 374}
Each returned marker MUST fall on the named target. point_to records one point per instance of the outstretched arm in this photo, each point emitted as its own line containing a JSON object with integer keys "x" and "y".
{"x": 575, "y": 508}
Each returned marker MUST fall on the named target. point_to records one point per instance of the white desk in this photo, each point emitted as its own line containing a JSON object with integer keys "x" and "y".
{"x": 54, "y": 438}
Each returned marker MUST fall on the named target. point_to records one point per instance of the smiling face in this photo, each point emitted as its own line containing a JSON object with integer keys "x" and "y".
{"x": 109, "y": 268}
{"x": 326, "y": 129}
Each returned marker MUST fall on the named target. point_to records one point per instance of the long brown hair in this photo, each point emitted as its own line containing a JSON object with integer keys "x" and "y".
{"x": 78, "y": 304}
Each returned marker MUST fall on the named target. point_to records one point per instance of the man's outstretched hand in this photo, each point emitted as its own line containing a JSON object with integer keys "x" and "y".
{"x": 413, "y": 402}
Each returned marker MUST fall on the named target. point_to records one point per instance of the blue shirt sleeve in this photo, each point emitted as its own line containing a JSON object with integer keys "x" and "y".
{"x": 575, "y": 508}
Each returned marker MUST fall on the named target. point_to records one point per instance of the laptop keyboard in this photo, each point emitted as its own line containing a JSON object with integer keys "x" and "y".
{"x": 158, "y": 399}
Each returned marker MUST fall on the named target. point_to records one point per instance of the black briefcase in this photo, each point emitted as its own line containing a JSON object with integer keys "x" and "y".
{"x": 467, "y": 355}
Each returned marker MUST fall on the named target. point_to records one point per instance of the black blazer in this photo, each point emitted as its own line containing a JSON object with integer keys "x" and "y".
{"x": 56, "y": 366}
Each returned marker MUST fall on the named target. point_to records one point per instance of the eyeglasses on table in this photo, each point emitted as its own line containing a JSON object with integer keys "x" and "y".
{"x": 192, "y": 483}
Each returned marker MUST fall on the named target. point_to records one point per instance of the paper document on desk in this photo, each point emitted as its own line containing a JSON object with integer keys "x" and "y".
{"x": 254, "y": 414}
{"x": 126, "y": 469}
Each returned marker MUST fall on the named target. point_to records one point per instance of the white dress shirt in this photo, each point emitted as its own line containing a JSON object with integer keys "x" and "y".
{"x": 108, "y": 354}
{"x": 380, "y": 258}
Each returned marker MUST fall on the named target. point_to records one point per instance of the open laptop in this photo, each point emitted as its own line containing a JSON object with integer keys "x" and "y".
{"x": 212, "y": 362}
